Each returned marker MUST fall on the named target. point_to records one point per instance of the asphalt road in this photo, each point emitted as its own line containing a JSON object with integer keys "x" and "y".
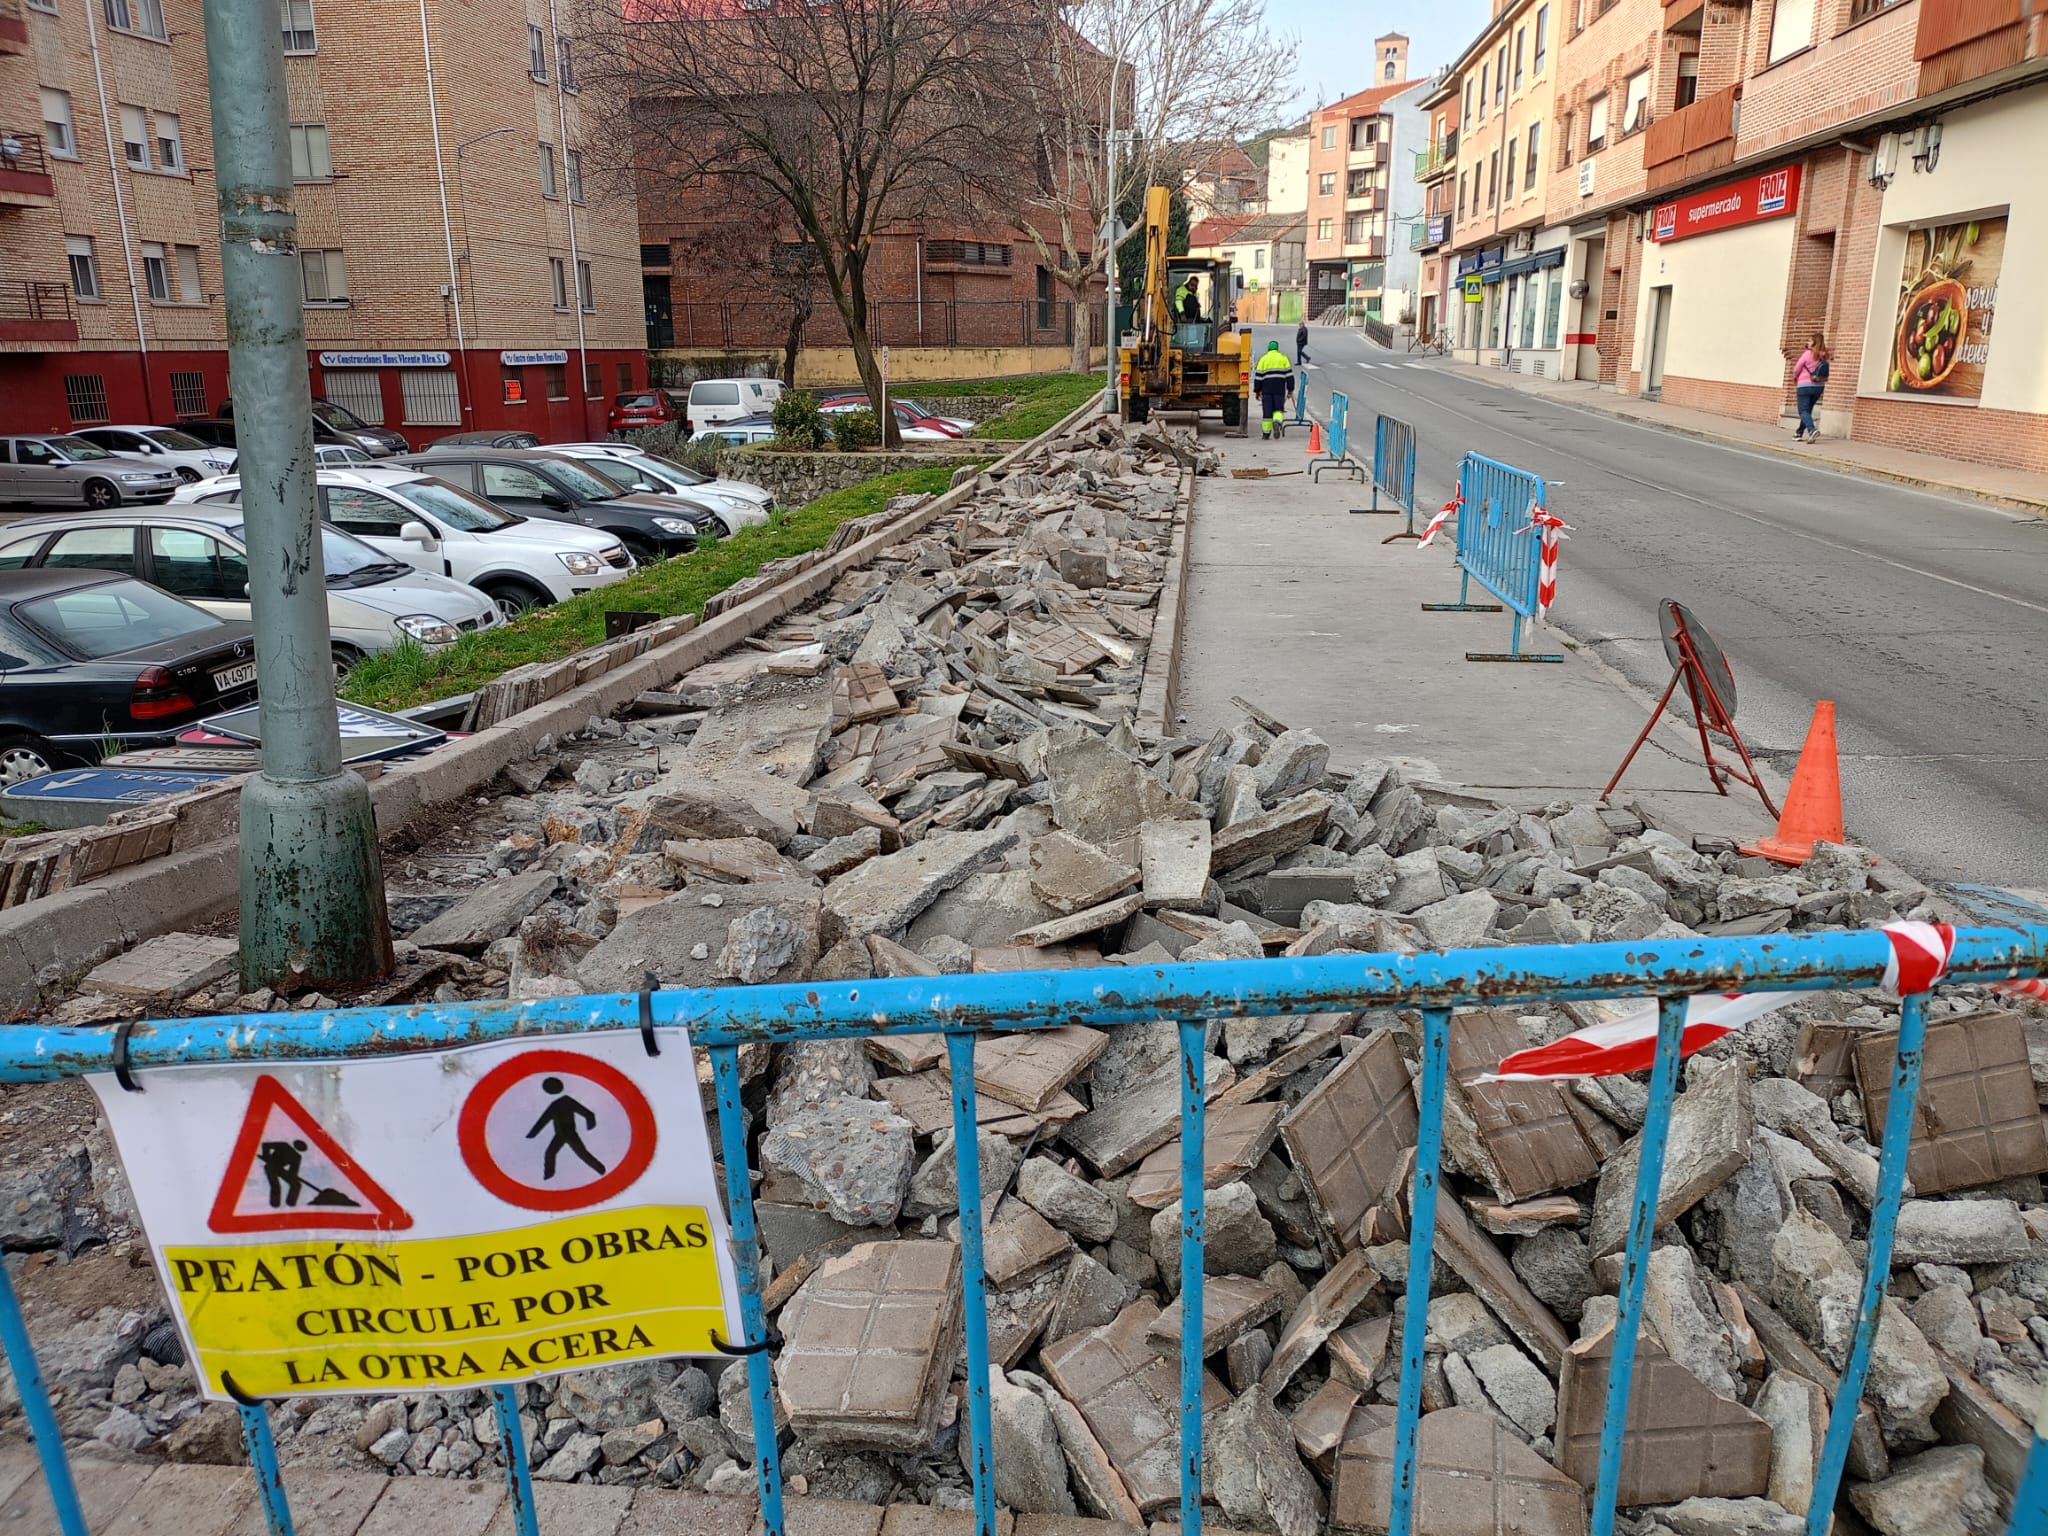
{"x": 1924, "y": 617}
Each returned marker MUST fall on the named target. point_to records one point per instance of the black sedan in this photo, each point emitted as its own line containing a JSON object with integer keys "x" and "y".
{"x": 490, "y": 437}
{"x": 93, "y": 662}
{"x": 536, "y": 483}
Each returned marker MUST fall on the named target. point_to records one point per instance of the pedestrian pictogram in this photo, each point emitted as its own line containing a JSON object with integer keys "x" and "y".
{"x": 287, "y": 1173}
{"x": 556, "y": 1130}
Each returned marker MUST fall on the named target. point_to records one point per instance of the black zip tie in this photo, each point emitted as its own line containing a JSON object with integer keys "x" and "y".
{"x": 772, "y": 1342}
{"x": 227, "y": 1382}
{"x": 123, "y": 1073}
{"x": 647, "y": 991}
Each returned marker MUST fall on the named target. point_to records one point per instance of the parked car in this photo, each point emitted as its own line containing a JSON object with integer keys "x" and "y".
{"x": 714, "y": 402}
{"x": 636, "y": 408}
{"x": 56, "y": 469}
{"x": 908, "y": 413}
{"x": 959, "y": 424}
{"x": 340, "y": 453}
{"x": 538, "y": 483}
{"x": 736, "y": 503}
{"x": 501, "y": 437}
{"x": 200, "y": 553}
{"x": 346, "y": 427}
{"x": 91, "y": 661}
{"x": 753, "y": 429}
{"x": 220, "y": 432}
{"x": 517, "y": 562}
{"x": 166, "y": 447}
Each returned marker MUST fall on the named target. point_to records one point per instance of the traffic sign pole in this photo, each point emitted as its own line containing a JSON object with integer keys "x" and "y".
{"x": 312, "y": 883}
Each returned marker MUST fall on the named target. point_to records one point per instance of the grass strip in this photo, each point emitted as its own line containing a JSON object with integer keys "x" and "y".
{"x": 409, "y": 675}
{"x": 1041, "y": 400}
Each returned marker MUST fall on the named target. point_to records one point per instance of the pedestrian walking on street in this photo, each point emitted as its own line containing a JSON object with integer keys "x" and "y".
{"x": 1273, "y": 378}
{"x": 1810, "y": 381}
{"x": 1301, "y": 342}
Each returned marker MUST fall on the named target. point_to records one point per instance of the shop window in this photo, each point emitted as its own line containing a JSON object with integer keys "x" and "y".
{"x": 358, "y": 390}
{"x": 430, "y": 397}
{"x": 557, "y": 381}
{"x": 514, "y": 381}
{"x": 188, "y": 392}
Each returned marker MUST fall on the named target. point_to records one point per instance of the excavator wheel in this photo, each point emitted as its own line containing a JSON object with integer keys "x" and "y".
{"x": 1137, "y": 408}
{"x": 1233, "y": 411}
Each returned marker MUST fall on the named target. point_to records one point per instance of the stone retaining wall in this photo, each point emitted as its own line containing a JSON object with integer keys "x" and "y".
{"x": 797, "y": 478}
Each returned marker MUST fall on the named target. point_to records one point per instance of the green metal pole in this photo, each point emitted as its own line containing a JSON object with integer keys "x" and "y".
{"x": 312, "y": 886}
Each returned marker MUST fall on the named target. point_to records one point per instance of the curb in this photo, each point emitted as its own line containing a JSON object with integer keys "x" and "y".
{"x": 46, "y": 943}
{"x": 1161, "y": 683}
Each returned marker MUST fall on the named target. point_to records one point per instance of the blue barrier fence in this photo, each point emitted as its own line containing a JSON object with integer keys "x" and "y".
{"x": 1336, "y": 449}
{"x": 1393, "y": 472}
{"x": 1498, "y": 548}
{"x": 966, "y": 1008}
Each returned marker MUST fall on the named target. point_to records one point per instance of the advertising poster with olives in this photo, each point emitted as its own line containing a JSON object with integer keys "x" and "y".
{"x": 1948, "y": 296}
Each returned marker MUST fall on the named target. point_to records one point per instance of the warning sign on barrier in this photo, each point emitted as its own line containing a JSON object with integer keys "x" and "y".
{"x": 454, "y": 1219}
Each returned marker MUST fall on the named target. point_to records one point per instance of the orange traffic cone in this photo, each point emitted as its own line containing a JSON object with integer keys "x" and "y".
{"x": 1813, "y": 808}
{"x": 1315, "y": 438}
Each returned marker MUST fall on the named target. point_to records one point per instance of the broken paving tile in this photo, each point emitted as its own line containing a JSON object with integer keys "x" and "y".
{"x": 1017, "y": 1242}
{"x": 1069, "y": 875}
{"x": 1028, "y": 1066}
{"x": 1089, "y": 920}
{"x": 884, "y": 894}
{"x": 1681, "y": 1439}
{"x": 1977, "y": 1119}
{"x": 1231, "y": 1304}
{"x": 174, "y": 965}
{"x": 861, "y": 692}
{"x": 1283, "y": 829}
{"x": 1826, "y": 1061}
{"x": 1235, "y": 1137}
{"x": 1115, "y": 1136}
{"x": 1530, "y": 1141}
{"x": 736, "y": 860}
{"x": 1320, "y": 1422}
{"x": 1325, "y": 1309}
{"x": 1482, "y": 1266}
{"x": 1174, "y": 858}
{"x": 1358, "y": 1350}
{"x": 1473, "y": 1478}
{"x": 486, "y": 913}
{"x": 1349, "y": 1132}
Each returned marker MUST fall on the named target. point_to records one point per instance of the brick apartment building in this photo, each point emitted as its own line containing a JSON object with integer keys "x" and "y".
{"x": 459, "y": 269}
{"x": 1724, "y": 179}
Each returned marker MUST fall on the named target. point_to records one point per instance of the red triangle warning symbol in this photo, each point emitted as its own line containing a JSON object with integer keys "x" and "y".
{"x": 287, "y": 1174}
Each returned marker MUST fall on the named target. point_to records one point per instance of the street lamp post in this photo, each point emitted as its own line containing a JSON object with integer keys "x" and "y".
{"x": 462, "y": 273}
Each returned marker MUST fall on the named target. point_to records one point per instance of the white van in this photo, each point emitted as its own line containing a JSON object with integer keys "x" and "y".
{"x": 715, "y": 401}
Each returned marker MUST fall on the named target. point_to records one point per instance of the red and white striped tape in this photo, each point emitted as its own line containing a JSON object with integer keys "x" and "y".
{"x": 1628, "y": 1042}
{"x": 1443, "y": 516}
{"x": 1553, "y": 529}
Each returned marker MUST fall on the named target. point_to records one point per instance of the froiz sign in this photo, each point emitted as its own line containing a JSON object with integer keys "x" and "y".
{"x": 1772, "y": 195}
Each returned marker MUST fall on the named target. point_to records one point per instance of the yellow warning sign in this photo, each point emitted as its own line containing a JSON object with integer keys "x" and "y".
{"x": 348, "y": 1316}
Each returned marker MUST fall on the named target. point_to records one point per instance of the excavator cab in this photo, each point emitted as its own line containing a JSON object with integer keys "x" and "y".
{"x": 1185, "y": 356}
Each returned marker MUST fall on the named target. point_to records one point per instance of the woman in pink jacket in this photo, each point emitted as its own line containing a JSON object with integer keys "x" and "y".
{"x": 1809, "y": 380}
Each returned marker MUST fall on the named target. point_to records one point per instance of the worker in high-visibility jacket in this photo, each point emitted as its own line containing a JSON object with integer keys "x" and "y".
{"x": 1274, "y": 380}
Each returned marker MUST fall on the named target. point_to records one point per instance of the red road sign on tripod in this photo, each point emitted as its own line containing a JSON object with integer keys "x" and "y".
{"x": 1698, "y": 661}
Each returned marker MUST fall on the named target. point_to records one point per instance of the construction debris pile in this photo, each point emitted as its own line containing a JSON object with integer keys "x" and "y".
{"x": 935, "y": 770}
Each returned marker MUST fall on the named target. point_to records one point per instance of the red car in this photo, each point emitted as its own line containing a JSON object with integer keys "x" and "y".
{"x": 643, "y": 408}
{"x": 908, "y": 413}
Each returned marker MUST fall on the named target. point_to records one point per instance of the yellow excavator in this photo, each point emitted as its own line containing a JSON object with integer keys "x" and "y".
{"x": 1181, "y": 356}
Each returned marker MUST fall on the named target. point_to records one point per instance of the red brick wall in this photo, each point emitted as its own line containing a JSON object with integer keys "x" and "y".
{"x": 1749, "y": 402}
{"x": 2015, "y": 439}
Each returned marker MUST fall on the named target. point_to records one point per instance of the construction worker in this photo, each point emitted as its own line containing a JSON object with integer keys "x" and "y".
{"x": 1274, "y": 379}
{"x": 1187, "y": 302}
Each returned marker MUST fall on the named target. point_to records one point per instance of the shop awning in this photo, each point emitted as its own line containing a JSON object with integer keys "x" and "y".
{"x": 1521, "y": 264}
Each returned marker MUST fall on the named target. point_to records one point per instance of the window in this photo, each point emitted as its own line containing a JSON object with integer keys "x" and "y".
{"x": 1461, "y": 194}
{"x": 515, "y": 484}
{"x": 1635, "y": 115}
{"x": 1688, "y": 82}
{"x": 1538, "y": 53}
{"x": 1535, "y": 137}
{"x": 1329, "y": 136}
{"x": 197, "y": 566}
{"x": 156, "y": 272}
{"x": 1596, "y": 122}
{"x": 1485, "y": 74}
{"x": 170, "y": 143}
{"x": 188, "y": 392}
{"x": 1564, "y": 140}
{"x": 1359, "y": 182}
{"x": 310, "y": 159}
{"x": 1324, "y": 228}
{"x": 144, "y": 16}
{"x": 586, "y": 289}
{"x": 1862, "y": 10}
{"x": 573, "y": 159}
{"x": 1355, "y": 229}
{"x": 191, "y": 286}
{"x": 549, "y": 187}
{"x": 85, "y": 397}
{"x": 536, "y": 52}
{"x": 359, "y": 391}
{"x": 1326, "y": 184}
{"x": 557, "y": 381}
{"x": 966, "y": 253}
{"x": 58, "y": 132}
{"x": 326, "y": 277}
{"x": 593, "y": 377}
{"x": 1493, "y": 180}
{"x": 558, "y": 280}
{"x": 93, "y": 549}
{"x": 1521, "y": 36}
{"x": 1365, "y": 132}
{"x": 297, "y": 16}
{"x": 1259, "y": 259}
{"x": 513, "y": 381}
{"x": 364, "y": 513}
{"x": 1500, "y": 77}
{"x": 1791, "y": 27}
{"x": 135, "y": 137}
{"x": 593, "y": 382}
{"x": 85, "y": 272}
{"x": 430, "y": 398}
{"x": 1468, "y": 102}
{"x": 1509, "y": 161}
{"x": 565, "y": 64}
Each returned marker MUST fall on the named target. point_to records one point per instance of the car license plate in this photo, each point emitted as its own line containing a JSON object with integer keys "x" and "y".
{"x": 235, "y": 677}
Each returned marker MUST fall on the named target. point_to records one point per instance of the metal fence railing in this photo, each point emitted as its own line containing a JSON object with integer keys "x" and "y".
{"x": 765, "y": 323}
{"x": 1499, "y": 546}
{"x": 967, "y": 1009}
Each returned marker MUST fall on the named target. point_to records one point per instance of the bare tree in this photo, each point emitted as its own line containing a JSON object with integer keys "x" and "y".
{"x": 741, "y": 229}
{"x": 849, "y": 116}
{"x": 1173, "y": 79}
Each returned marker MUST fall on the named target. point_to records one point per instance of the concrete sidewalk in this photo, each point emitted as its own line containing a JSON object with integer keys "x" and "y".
{"x": 1927, "y": 471}
{"x": 1294, "y": 602}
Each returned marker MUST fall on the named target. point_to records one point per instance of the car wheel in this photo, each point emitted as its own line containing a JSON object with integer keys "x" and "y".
{"x": 187, "y": 474}
{"x": 346, "y": 658}
{"x": 722, "y": 528}
{"x": 24, "y": 757}
{"x": 643, "y": 553}
{"x": 100, "y": 495}
{"x": 514, "y": 598}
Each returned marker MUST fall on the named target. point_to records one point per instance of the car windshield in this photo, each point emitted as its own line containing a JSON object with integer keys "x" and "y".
{"x": 457, "y": 508}
{"x": 349, "y": 561}
{"x": 339, "y": 416}
{"x": 669, "y": 468}
{"x": 177, "y": 442}
{"x": 113, "y": 616}
{"x": 640, "y": 402}
{"x": 77, "y": 448}
{"x": 580, "y": 479}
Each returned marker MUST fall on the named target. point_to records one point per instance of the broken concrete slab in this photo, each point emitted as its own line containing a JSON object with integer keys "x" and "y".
{"x": 1711, "y": 1135}
{"x": 733, "y": 802}
{"x": 1288, "y": 826}
{"x": 884, "y": 894}
{"x": 1327, "y": 1307}
{"x": 1235, "y": 1137}
{"x": 1528, "y": 1140}
{"x": 1070, "y": 875}
{"x": 856, "y": 1156}
{"x": 1174, "y": 857}
{"x": 1254, "y": 1472}
{"x": 1977, "y": 1119}
{"x": 682, "y": 938}
{"x": 1961, "y": 1232}
{"x": 1348, "y": 1133}
{"x": 1100, "y": 795}
{"x": 1797, "y": 1411}
{"x": 1471, "y": 1254}
{"x": 1472, "y": 1478}
{"x": 1114, "y": 1137}
{"x": 175, "y": 965}
{"x": 1231, "y": 1304}
{"x": 1072, "y": 1204}
{"x": 1089, "y": 920}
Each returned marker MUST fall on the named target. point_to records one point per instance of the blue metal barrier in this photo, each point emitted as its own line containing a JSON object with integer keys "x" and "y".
{"x": 1498, "y": 548}
{"x": 1393, "y": 472}
{"x": 1336, "y": 454}
{"x": 964, "y": 1008}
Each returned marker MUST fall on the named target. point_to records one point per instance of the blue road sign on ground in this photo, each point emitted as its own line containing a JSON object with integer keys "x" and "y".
{"x": 85, "y": 797}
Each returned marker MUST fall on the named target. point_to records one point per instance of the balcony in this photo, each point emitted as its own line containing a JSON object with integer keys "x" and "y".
{"x": 1373, "y": 249}
{"x": 37, "y": 314}
{"x": 1364, "y": 199}
{"x": 1440, "y": 159}
{"x": 25, "y": 171}
{"x": 1692, "y": 141}
{"x": 1371, "y": 154}
{"x": 13, "y": 28}
{"x": 1960, "y": 40}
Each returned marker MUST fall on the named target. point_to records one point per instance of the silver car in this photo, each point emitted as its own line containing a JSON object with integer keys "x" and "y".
{"x": 55, "y": 469}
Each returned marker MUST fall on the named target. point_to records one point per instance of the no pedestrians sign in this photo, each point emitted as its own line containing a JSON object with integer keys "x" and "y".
{"x": 420, "y": 1223}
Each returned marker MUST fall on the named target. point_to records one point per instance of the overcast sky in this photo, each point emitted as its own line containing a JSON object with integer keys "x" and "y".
{"x": 1336, "y": 39}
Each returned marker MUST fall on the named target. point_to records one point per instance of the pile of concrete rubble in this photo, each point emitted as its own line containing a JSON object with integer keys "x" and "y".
{"x": 934, "y": 771}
